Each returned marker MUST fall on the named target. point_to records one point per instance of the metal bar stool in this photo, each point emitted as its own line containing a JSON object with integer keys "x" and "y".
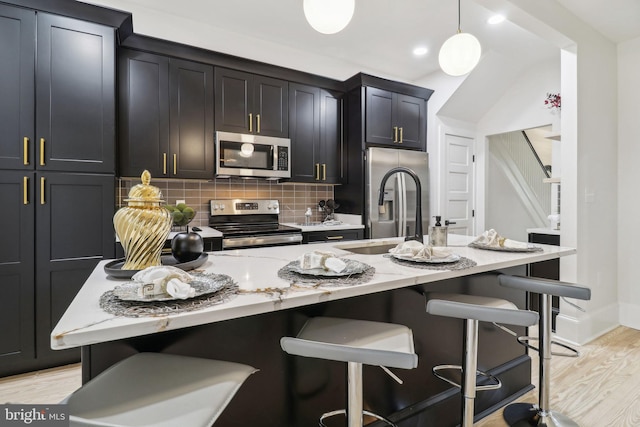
{"x": 541, "y": 414}
{"x": 356, "y": 342}
{"x": 157, "y": 389}
{"x": 474, "y": 309}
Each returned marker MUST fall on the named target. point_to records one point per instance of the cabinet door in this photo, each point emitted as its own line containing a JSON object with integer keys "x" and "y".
{"x": 410, "y": 117}
{"x": 330, "y": 137}
{"x": 232, "y": 94}
{"x": 379, "y": 114}
{"x": 74, "y": 225}
{"x": 17, "y": 64}
{"x": 270, "y": 107}
{"x": 144, "y": 114}
{"x": 75, "y": 95}
{"x": 304, "y": 130}
{"x": 16, "y": 268}
{"x": 191, "y": 118}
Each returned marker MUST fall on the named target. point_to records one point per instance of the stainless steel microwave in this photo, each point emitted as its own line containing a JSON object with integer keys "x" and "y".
{"x": 253, "y": 156}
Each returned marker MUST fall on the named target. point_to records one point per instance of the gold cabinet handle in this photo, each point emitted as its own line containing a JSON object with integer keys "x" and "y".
{"x": 317, "y": 172}
{"x": 335, "y": 237}
{"x": 175, "y": 164}
{"x": 42, "y": 199}
{"x": 25, "y": 191}
{"x": 258, "y": 123}
{"x": 164, "y": 163}
{"x": 395, "y": 134}
{"x": 41, "y": 151}
{"x": 324, "y": 171}
{"x": 401, "y": 138}
{"x": 250, "y": 123}
{"x": 25, "y": 150}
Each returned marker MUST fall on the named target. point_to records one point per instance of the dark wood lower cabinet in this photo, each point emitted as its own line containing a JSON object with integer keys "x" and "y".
{"x": 547, "y": 270}
{"x": 332, "y": 235}
{"x": 56, "y": 230}
{"x": 291, "y": 391}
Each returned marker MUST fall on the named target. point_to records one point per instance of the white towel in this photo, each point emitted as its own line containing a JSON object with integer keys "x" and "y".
{"x": 418, "y": 251}
{"x": 326, "y": 260}
{"x": 164, "y": 280}
{"x": 492, "y": 239}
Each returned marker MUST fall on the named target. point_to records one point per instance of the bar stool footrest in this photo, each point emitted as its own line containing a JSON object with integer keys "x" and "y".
{"x": 524, "y": 340}
{"x": 344, "y": 412}
{"x": 494, "y": 386}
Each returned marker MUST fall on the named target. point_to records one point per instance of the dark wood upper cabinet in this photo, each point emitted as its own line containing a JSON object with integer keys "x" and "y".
{"x": 144, "y": 113}
{"x": 17, "y": 61}
{"x": 57, "y": 109}
{"x": 75, "y": 95}
{"x": 250, "y": 103}
{"x": 394, "y": 119}
{"x": 191, "y": 119}
{"x": 315, "y": 132}
{"x": 166, "y": 116}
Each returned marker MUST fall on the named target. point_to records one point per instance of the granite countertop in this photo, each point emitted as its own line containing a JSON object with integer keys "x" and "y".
{"x": 349, "y": 222}
{"x": 206, "y": 232}
{"x": 256, "y": 273}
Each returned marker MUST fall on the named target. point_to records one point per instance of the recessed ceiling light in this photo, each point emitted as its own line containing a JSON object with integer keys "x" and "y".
{"x": 496, "y": 19}
{"x": 420, "y": 51}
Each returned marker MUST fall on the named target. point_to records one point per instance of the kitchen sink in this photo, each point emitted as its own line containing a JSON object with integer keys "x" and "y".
{"x": 370, "y": 248}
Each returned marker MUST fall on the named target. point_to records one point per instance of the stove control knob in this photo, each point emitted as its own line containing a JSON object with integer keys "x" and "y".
{"x": 221, "y": 207}
{"x": 215, "y": 207}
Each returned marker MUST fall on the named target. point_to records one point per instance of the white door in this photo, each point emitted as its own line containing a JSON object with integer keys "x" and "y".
{"x": 459, "y": 184}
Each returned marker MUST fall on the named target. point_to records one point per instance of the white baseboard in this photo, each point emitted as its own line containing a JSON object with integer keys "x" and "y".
{"x": 630, "y": 315}
{"x": 588, "y": 326}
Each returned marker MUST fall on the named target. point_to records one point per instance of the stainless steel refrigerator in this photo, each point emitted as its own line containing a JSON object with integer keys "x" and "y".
{"x": 399, "y": 195}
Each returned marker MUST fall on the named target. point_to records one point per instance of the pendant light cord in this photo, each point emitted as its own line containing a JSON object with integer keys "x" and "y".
{"x": 459, "y": 30}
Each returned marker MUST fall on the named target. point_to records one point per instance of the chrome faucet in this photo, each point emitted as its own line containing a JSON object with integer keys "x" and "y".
{"x": 381, "y": 209}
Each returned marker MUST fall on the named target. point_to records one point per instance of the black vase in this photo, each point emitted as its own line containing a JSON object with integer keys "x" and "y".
{"x": 187, "y": 247}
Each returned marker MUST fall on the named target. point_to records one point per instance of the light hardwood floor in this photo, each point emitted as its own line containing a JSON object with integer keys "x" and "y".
{"x": 600, "y": 388}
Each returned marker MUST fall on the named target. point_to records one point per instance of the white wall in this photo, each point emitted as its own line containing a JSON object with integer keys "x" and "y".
{"x": 628, "y": 182}
{"x": 521, "y": 107}
{"x": 589, "y": 161}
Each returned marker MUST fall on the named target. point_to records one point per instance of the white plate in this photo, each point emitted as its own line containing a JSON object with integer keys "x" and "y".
{"x": 442, "y": 260}
{"x": 203, "y": 284}
{"x": 353, "y": 267}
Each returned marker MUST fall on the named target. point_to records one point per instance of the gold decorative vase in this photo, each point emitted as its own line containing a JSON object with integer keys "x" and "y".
{"x": 143, "y": 226}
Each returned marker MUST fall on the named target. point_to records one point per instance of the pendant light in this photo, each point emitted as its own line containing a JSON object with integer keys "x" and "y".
{"x": 460, "y": 53}
{"x": 329, "y": 16}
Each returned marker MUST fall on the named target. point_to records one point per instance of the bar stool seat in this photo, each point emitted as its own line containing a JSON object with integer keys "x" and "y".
{"x": 525, "y": 414}
{"x": 159, "y": 390}
{"x": 474, "y": 309}
{"x": 355, "y": 342}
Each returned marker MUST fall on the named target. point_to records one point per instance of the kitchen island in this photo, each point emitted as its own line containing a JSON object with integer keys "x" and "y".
{"x": 290, "y": 391}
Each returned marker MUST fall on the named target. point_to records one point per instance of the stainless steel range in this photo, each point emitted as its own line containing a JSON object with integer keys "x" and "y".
{"x": 251, "y": 223}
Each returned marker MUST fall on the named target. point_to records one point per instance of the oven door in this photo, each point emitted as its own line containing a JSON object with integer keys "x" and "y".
{"x": 252, "y": 156}
{"x": 258, "y": 240}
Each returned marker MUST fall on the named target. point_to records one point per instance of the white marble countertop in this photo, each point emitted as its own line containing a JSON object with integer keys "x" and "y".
{"x": 85, "y": 323}
{"x": 544, "y": 231}
{"x": 324, "y": 227}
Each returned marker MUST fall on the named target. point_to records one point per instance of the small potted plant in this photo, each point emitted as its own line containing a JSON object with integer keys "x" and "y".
{"x": 185, "y": 246}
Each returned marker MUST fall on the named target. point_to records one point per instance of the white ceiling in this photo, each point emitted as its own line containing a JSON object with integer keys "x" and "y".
{"x": 379, "y": 39}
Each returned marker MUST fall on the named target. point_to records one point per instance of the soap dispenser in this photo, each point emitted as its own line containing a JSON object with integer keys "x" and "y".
{"x": 307, "y": 216}
{"x": 438, "y": 233}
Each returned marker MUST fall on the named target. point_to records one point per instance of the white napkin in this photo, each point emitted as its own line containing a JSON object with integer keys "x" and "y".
{"x": 164, "y": 279}
{"x": 419, "y": 251}
{"x": 493, "y": 239}
{"x": 325, "y": 260}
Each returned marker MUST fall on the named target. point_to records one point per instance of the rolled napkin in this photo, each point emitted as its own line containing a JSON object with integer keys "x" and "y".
{"x": 493, "y": 239}
{"x": 164, "y": 280}
{"x": 419, "y": 251}
{"x": 328, "y": 261}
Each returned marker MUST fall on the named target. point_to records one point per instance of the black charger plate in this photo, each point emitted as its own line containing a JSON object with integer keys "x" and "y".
{"x": 114, "y": 268}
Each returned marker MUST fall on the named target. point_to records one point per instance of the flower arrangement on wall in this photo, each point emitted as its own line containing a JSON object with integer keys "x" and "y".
{"x": 553, "y": 101}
